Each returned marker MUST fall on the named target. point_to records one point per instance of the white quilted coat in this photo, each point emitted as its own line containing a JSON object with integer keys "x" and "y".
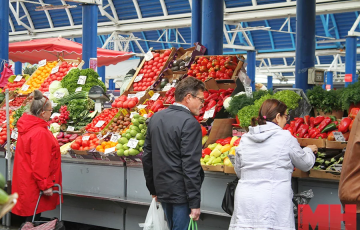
{"x": 265, "y": 160}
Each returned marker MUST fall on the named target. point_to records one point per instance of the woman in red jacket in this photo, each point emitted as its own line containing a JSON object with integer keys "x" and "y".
{"x": 37, "y": 164}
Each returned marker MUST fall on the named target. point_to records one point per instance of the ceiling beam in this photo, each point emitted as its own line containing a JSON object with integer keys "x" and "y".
{"x": 137, "y": 8}
{"x": 47, "y": 14}
{"x": 163, "y": 6}
{"x": 11, "y": 24}
{"x": 68, "y": 13}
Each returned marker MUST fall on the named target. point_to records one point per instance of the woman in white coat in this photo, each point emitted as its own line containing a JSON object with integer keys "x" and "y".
{"x": 265, "y": 160}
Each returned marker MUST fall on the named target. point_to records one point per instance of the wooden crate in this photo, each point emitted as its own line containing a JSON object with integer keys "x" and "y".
{"x": 320, "y": 143}
{"x": 323, "y": 174}
{"x": 300, "y": 174}
{"x": 222, "y": 128}
{"x": 229, "y": 169}
{"x": 335, "y": 144}
{"x": 217, "y": 168}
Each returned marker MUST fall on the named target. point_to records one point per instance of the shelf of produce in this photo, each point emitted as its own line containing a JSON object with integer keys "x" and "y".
{"x": 322, "y": 174}
{"x": 320, "y": 143}
{"x": 335, "y": 144}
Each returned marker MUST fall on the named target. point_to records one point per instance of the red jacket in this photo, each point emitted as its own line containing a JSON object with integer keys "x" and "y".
{"x": 37, "y": 166}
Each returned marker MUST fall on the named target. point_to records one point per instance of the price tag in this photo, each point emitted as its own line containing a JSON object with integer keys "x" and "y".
{"x": 46, "y": 94}
{"x": 124, "y": 112}
{"x": 115, "y": 137}
{"x": 14, "y": 134}
{"x": 339, "y": 136}
{"x": 248, "y": 91}
{"x": 132, "y": 114}
{"x": 148, "y": 56}
{"x": 78, "y": 89}
{"x": 4, "y": 121}
{"x": 55, "y": 70}
{"x": 54, "y": 115}
{"x": 131, "y": 95}
{"x": 142, "y": 106}
{"x": 337, "y": 167}
{"x": 138, "y": 77}
{"x": 1, "y": 129}
{"x": 167, "y": 87}
{"x": 132, "y": 143}
{"x": 209, "y": 113}
{"x": 198, "y": 48}
{"x": 155, "y": 96}
{"x": 140, "y": 94}
{"x": 59, "y": 95}
{"x": 70, "y": 128}
{"x": 86, "y": 138}
{"x": 109, "y": 150}
{"x": 99, "y": 124}
{"x": 18, "y": 78}
{"x": 53, "y": 104}
{"x": 99, "y": 136}
{"x": 25, "y": 87}
{"x": 42, "y": 63}
{"x": 82, "y": 80}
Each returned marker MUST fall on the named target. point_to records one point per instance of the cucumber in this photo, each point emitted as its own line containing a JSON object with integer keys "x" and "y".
{"x": 4, "y": 197}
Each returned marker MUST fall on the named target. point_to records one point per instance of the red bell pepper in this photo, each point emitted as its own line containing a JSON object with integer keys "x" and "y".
{"x": 219, "y": 141}
{"x": 292, "y": 124}
{"x": 315, "y": 133}
{"x": 346, "y": 136}
{"x": 212, "y": 91}
{"x": 303, "y": 129}
{"x": 206, "y": 94}
{"x": 312, "y": 120}
{"x": 344, "y": 125}
{"x": 296, "y": 118}
{"x": 321, "y": 136}
{"x": 205, "y": 152}
{"x": 226, "y": 141}
{"x": 222, "y": 90}
{"x": 354, "y": 112}
{"x": 298, "y": 122}
{"x": 213, "y": 97}
{"x": 324, "y": 123}
{"x": 156, "y": 106}
{"x": 351, "y": 124}
{"x": 307, "y": 120}
{"x": 237, "y": 142}
{"x": 306, "y": 135}
{"x": 211, "y": 104}
{"x": 286, "y": 126}
{"x": 318, "y": 120}
{"x": 220, "y": 103}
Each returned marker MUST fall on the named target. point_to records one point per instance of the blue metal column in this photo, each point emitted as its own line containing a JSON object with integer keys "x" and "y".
{"x": 305, "y": 41}
{"x": 196, "y": 14}
{"x": 111, "y": 84}
{"x": 270, "y": 83}
{"x": 4, "y": 32}
{"x": 251, "y": 67}
{"x": 101, "y": 72}
{"x": 350, "y": 59}
{"x": 89, "y": 37}
{"x": 329, "y": 79}
{"x": 213, "y": 26}
{"x": 18, "y": 68}
{"x": 324, "y": 85}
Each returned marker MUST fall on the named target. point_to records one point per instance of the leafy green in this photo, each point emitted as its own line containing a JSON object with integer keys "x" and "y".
{"x": 350, "y": 95}
{"x": 77, "y": 106}
{"x": 324, "y": 100}
{"x": 290, "y": 98}
{"x": 258, "y": 94}
{"x": 259, "y": 102}
{"x": 18, "y": 113}
{"x": 239, "y": 102}
{"x": 246, "y": 113}
{"x": 71, "y": 79}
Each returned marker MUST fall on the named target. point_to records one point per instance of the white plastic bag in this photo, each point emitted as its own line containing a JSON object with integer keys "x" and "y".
{"x": 155, "y": 218}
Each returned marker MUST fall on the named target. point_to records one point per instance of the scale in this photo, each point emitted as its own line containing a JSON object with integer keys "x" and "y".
{"x": 98, "y": 95}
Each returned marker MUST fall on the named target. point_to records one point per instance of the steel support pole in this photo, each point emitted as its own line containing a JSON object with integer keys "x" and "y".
{"x": 111, "y": 84}
{"x": 89, "y": 46}
{"x": 329, "y": 79}
{"x": 101, "y": 72}
{"x": 18, "y": 68}
{"x": 4, "y": 32}
{"x": 251, "y": 67}
{"x": 212, "y": 26}
{"x": 196, "y": 14}
{"x": 305, "y": 41}
{"x": 350, "y": 59}
{"x": 270, "y": 83}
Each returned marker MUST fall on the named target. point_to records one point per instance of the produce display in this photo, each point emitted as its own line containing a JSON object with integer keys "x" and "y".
{"x": 3, "y": 133}
{"x": 217, "y": 153}
{"x": 14, "y": 85}
{"x": 180, "y": 64}
{"x": 118, "y": 125}
{"x": 64, "y": 138}
{"x": 85, "y": 142}
{"x": 16, "y": 102}
{"x": 329, "y": 160}
{"x": 105, "y": 145}
{"x": 70, "y": 81}
{"x": 217, "y": 67}
{"x": 100, "y": 121}
{"x": 124, "y": 102}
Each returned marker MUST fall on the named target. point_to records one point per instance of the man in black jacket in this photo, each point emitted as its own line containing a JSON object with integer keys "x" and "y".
{"x": 172, "y": 153}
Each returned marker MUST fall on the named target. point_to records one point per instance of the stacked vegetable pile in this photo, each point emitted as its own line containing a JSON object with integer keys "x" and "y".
{"x": 124, "y": 102}
{"x": 100, "y": 121}
{"x": 86, "y": 142}
{"x": 16, "y": 102}
{"x": 70, "y": 81}
{"x": 14, "y": 85}
{"x": 217, "y": 67}
{"x": 64, "y": 138}
{"x": 329, "y": 160}
{"x": 323, "y": 100}
{"x": 217, "y": 153}
{"x": 118, "y": 125}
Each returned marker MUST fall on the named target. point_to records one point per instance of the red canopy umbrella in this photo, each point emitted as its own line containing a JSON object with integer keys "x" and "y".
{"x": 52, "y": 48}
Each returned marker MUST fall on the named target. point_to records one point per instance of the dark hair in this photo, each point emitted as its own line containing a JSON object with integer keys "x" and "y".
{"x": 39, "y": 103}
{"x": 189, "y": 85}
{"x": 268, "y": 111}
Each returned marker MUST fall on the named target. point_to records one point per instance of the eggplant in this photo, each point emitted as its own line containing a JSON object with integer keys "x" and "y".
{"x": 187, "y": 59}
{"x": 182, "y": 68}
{"x": 176, "y": 62}
{"x": 182, "y": 63}
{"x": 175, "y": 68}
{"x": 60, "y": 135}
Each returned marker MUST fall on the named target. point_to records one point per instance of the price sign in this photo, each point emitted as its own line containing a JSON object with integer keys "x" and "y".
{"x": 248, "y": 91}
{"x": 1, "y": 129}
{"x": 209, "y": 113}
{"x": 109, "y": 150}
{"x": 115, "y": 137}
{"x": 167, "y": 87}
{"x": 4, "y": 121}
{"x": 54, "y": 115}
{"x": 348, "y": 77}
{"x": 99, "y": 136}
{"x": 132, "y": 114}
{"x": 78, "y": 89}
{"x": 46, "y": 94}
{"x": 18, "y": 78}
{"x": 86, "y": 138}
{"x": 138, "y": 77}
{"x": 155, "y": 96}
{"x": 25, "y": 87}
{"x": 55, "y": 70}
{"x": 148, "y": 56}
{"x": 131, "y": 95}
{"x": 140, "y": 94}
{"x": 70, "y": 128}
{"x": 82, "y": 80}
{"x": 339, "y": 136}
{"x": 142, "y": 106}
{"x": 124, "y": 112}
{"x": 198, "y": 48}
{"x": 59, "y": 95}
{"x": 132, "y": 143}
{"x": 14, "y": 134}
{"x": 99, "y": 124}
{"x": 42, "y": 63}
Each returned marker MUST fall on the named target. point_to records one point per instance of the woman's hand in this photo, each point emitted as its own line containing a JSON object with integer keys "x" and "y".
{"x": 314, "y": 148}
{"x": 48, "y": 192}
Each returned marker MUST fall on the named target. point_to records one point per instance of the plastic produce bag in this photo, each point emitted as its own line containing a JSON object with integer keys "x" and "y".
{"x": 155, "y": 218}
{"x": 5, "y": 74}
{"x": 301, "y": 198}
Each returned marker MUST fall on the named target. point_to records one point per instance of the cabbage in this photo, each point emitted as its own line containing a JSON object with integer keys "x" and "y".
{"x": 55, "y": 85}
{"x": 54, "y": 127}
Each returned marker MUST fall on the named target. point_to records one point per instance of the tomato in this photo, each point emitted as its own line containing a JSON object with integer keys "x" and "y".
{"x": 212, "y": 74}
{"x": 209, "y": 65}
{"x": 203, "y": 69}
{"x": 125, "y": 104}
{"x": 2, "y": 142}
{"x": 81, "y": 148}
{"x": 92, "y": 136}
{"x": 119, "y": 104}
{"x": 75, "y": 146}
{"x": 131, "y": 104}
{"x": 204, "y": 62}
{"x": 156, "y": 55}
{"x": 78, "y": 141}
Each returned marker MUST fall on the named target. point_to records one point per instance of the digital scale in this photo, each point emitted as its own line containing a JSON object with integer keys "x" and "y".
{"x": 98, "y": 95}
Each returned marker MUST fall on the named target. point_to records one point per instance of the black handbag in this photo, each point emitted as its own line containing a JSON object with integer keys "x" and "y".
{"x": 229, "y": 197}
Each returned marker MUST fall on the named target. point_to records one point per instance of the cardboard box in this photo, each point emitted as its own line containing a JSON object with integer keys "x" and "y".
{"x": 211, "y": 83}
{"x": 229, "y": 169}
{"x": 217, "y": 168}
{"x": 221, "y": 128}
{"x": 322, "y": 174}
{"x": 300, "y": 174}
{"x": 335, "y": 144}
{"x": 320, "y": 143}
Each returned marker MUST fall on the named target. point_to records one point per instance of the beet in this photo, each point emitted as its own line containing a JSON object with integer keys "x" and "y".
{"x": 65, "y": 140}
{"x": 61, "y": 144}
{"x": 67, "y": 136}
{"x": 73, "y": 137}
{"x": 60, "y": 135}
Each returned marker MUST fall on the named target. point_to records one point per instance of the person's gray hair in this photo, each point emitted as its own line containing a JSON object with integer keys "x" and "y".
{"x": 189, "y": 85}
{"x": 39, "y": 103}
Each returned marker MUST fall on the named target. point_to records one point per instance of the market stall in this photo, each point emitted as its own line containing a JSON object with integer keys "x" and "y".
{"x": 101, "y": 144}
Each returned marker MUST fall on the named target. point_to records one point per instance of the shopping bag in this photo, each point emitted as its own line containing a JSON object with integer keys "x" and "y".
{"x": 155, "y": 218}
{"x": 192, "y": 225}
{"x": 229, "y": 197}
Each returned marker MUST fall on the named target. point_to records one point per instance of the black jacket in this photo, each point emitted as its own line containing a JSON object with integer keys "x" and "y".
{"x": 171, "y": 158}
